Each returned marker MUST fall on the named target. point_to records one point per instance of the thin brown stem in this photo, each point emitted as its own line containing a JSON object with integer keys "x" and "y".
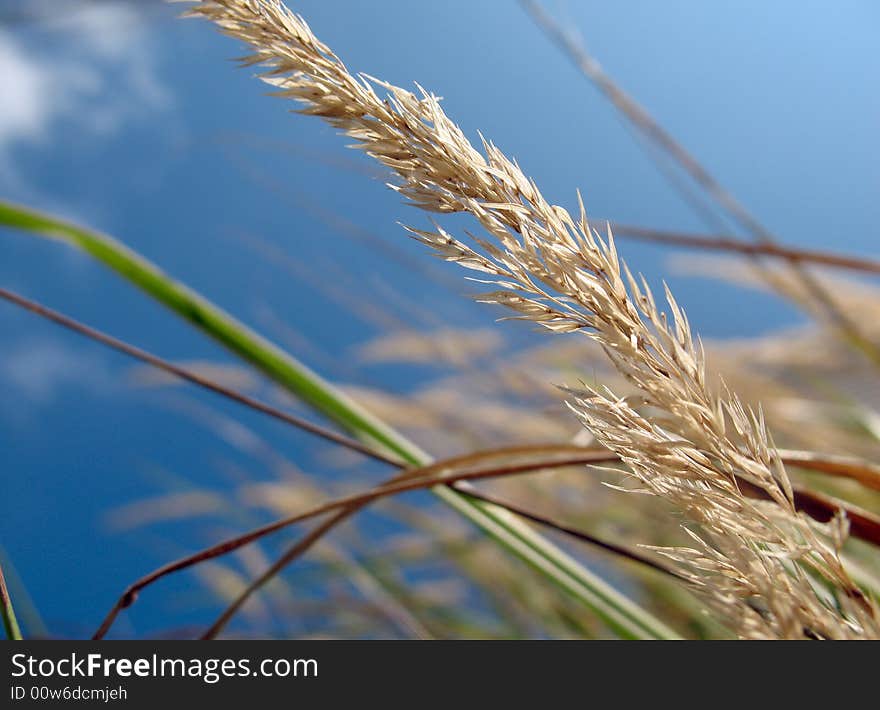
{"x": 863, "y": 472}
{"x": 552, "y": 523}
{"x": 730, "y": 244}
{"x": 661, "y": 138}
{"x": 303, "y": 545}
{"x": 299, "y": 549}
{"x": 865, "y": 525}
{"x": 411, "y": 480}
{"x": 193, "y": 377}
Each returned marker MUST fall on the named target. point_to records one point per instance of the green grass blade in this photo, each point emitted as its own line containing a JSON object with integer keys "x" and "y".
{"x": 622, "y": 615}
{"x": 219, "y": 325}
{"x": 25, "y": 608}
{"x": 10, "y": 623}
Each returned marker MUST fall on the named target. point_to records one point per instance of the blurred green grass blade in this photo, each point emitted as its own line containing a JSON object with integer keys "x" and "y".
{"x": 10, "y": 623}
{"x": 626, "y": 618}
{"x": 219, "y": 325}
{"x": 25, "y": 609}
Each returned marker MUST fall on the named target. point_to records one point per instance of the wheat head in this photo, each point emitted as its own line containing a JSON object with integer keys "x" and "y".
{"x": 757, "y": 564}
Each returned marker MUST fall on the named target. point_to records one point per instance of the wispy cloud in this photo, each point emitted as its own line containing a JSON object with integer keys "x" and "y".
{"x": 84, "y": 68}
{"x": 36, "y": 371}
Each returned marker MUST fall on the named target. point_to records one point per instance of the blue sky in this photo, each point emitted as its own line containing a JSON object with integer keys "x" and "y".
{"x": 124, "y": 118}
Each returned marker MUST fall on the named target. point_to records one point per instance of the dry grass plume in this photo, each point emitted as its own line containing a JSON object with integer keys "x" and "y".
{"x": 763, "y": 568}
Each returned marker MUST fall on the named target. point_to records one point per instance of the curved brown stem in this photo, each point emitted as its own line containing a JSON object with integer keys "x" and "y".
{"x": 713, "y": 242}
{"x": 192, "y": 377}
{"x": 659, "y": 137}
{"x": 865, "y": 525}
{"x": 415, "y": 479}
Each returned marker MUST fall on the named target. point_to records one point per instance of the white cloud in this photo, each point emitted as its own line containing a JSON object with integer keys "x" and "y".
{"x": 90, "y": 69}
{"x": 25, "y": 87}
{"x": 34, "y": 373}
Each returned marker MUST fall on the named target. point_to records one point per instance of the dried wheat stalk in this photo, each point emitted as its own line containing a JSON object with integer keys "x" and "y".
{"x": 755, "y": 563}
